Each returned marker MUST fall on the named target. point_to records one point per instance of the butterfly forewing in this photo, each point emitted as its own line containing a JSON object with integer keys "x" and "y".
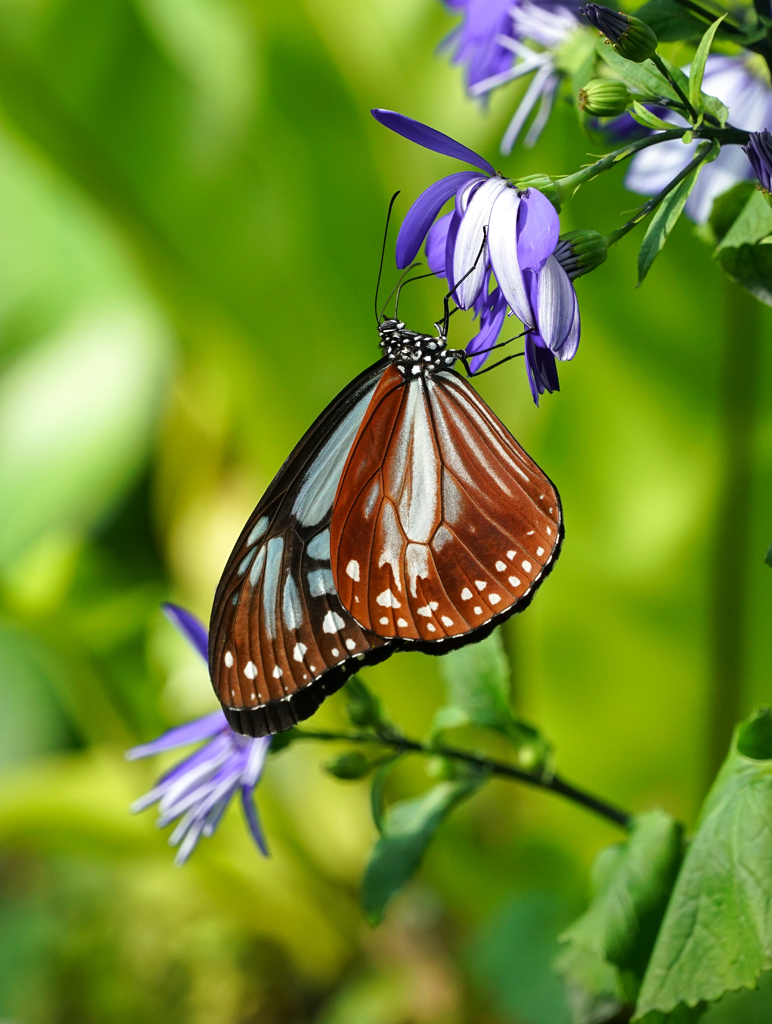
{"x": 441, "y": 523}
{"x": 280, "y": 640}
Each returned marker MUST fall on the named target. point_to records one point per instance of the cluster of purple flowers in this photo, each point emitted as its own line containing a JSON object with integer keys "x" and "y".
{"x": 496, "y": 248}
{"x": 196, "y": 792}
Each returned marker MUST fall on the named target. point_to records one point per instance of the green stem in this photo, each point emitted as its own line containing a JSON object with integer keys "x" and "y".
{"x": 659, "y": 64}
{"x": 542, "y": 780}
{"x": 703, "y": 12}
{"x": 738, "y": 404}
{"x": 652, "y": 204}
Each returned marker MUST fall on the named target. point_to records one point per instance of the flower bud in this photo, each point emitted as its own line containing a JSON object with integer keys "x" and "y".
{"x": 632, "y": 38}
{"x": 759, "y": 153}
{"x": 579, "y": 252}
{"x": 351, "y": 765}
{"x": 604, "y": 97}
{"x": 362, "y": 706}
{"x": 544, "y": 184}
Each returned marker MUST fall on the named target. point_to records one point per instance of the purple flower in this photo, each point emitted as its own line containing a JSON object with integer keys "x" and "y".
{"x": 490, "y": 42}
{"x": 198, "y": 790}
{"x": 759, "y": 153}
{"x": 742, "y": 84}
{"x": 496, "y": 248}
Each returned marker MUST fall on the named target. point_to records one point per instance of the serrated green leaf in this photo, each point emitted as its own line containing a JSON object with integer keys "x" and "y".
{"x": 727, "y": 208}
{"x": 642, "y": 79}
{"x": 662, "y": 223}
{"x": 647, "y": 119}
{"x": 407, "y": 828}
{"x": 717, "y": 933}
{"x": 753, "y": 222}
{"x": 478, "y": 686}
{"x": 751, "y": 267}
{"x": 697, "y": 69}
{"x": 670, "y": 21}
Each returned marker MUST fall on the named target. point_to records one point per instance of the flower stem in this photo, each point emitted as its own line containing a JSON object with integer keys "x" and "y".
{"x": 542, "y": 779}
{"x": 653, "y": 203}
{"x": 738, "y": 406}
{"x": 659, "y": 64}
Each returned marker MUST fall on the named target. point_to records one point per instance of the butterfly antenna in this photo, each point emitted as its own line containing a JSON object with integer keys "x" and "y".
{"x": 402, "y": 277}
{"x": 402, "y": 284}
{"x": 383, "y": 254}
{"x": 446, "y": 300}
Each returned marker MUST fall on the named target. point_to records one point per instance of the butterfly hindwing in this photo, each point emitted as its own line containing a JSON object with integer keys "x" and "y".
{"x": 280, "y": 640}
{"x": 442, "y": 523}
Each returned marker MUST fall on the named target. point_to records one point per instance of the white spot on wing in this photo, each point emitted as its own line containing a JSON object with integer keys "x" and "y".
{"x": 480, "y": 584}
{"x": 539, "y": 552}
{"x": 494, "y": 598}
{"x": 416, "y": 565}
{"x": 501, "y": 566}
{"x": 228, "y": 659}
{"x": 527, "y": 566}
{"x": 511, "y": 555}
{"x": 514, "y": 581}
{"x": 292, "y": 610}
{"x": 274, "y": 550}
{"x": 320, "y": 582}
{"x": 477, "y": 610}
{"x": 335, "y": 652}
{"x": 277, "y": 672}
{"x": 299, "y": 651}
{"x": 387, "y": 600}
{"x": 258, "y": 530}
{"x": 250, "y": 671}
{"x": 402, "y": 622}
{"x": 332, "y": 622}
{"x": 446, "y": 621}
{"x": 319, "y": 546}
{"x": 466, "y": 593}
{"x": 352, "y": 570}
{"x": 350, "y": 644}
{"x": 383, "y": 621}
{"x": 431, "y": 627}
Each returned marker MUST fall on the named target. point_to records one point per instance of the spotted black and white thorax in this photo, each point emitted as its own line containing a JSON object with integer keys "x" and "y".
{"x": 414, "y": 353}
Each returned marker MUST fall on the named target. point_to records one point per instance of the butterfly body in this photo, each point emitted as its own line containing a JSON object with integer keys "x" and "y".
{"x": 408, "y": 517}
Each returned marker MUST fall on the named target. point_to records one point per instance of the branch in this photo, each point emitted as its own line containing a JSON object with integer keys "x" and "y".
{"x": 542, "y": 780}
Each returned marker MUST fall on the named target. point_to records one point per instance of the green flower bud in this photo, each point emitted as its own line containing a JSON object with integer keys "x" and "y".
{"x": 579, "y": 252}
{"x": 351, "y": 765}
{"x": 632, "y": 38}
{"x": 604, "y": 97}
{"x": 544, "y": 184}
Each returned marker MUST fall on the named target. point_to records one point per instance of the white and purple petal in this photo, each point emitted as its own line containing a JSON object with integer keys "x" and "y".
{"x": 469, "y": 257}
{"x": 437, "y": 243}
{"x": 556, "y": 309}
{"x": 538, "y": 229}
{"x": 503, "y": 250}
{"x": 421, "y": 215}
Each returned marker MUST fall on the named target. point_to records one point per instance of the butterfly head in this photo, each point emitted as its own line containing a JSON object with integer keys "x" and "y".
{"x": 414, "y": 353}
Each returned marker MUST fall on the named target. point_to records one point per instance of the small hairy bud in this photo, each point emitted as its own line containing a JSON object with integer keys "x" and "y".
{"x": 604, "y": 97}
{"x": 579, "y": 252}
{"x": 544, "y": 184}
{"x": 351, "y": 765}
{"x": 759, "y": 153}
{"x": 632, "y": 38}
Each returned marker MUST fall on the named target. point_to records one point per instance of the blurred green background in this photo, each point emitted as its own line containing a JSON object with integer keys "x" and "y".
{"x": 192, "y": 195}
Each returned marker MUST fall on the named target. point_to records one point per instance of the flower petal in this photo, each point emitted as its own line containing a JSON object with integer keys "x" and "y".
{"x": 437, "y": 243}
{"x": 430, "y": 138}
{"x": 538, "y": 228}
{"x": 503, "y": 249}
{"x": 191, "y": 627}
{"x": 192, "y": 732}
{"x": 491, "y": 323}
{"x": 555, "y": 306}
{"x": 469, "y": 262}
{"x": 250, "y": 813}
{"x": 421, "y": 214}
{"x": 541, "y": 368}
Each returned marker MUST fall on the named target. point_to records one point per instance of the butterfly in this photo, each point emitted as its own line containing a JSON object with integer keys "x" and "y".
{"x": 407, "y": 517}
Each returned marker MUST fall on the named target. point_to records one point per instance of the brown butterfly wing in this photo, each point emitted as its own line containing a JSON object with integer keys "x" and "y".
{"x": 442, "y": 525}
{"x": 280, "y": 640}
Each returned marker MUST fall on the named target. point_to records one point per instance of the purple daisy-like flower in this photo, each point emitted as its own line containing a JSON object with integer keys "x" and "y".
{"x": 742, "y": 84}
{"x": 197, "y": 791}
{"x": 496, "y": 237}
{"x": 759, "y": 153}
{"x": 491, "y": 43}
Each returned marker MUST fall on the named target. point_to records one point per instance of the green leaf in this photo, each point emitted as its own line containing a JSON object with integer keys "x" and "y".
{"x": 751, "y": 267}
{"x": 670, "y": 21}
{"x": 663, "y": 222}
{"x": 642, "y": 79}
{"x": 407, "y": 828}
{"x": 608, "y": 948}
{"x": 717, "y": 933}
{"x": 647, "y": 119}
{"x": 697, "y": 69}
{"x": 752, "y": 224}
{"x": 727, "y": 208}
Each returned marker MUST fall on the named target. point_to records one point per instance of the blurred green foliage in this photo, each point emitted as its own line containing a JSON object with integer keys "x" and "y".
{"x": 192, "y": 195}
